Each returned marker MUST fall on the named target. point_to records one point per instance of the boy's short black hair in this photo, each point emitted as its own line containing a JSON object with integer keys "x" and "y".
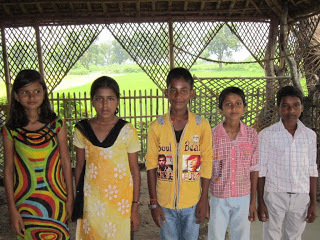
{"x": 180, "y": 73}
{"x": 225, "y": 92}
{"x": 289, "y": 91}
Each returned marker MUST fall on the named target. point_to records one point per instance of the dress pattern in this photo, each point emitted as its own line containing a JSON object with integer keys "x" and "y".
{"x": 108, "y": 186}
{"x": 39, "y": 187}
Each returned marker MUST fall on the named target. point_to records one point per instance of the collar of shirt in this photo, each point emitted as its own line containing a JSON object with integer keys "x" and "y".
{"x": 222, "y": 132}
{"x": 300, "y": 127}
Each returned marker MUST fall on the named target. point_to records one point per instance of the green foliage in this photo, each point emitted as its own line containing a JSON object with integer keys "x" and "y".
{"x": 117, "y": 53}
{"x": 223, "y": 44}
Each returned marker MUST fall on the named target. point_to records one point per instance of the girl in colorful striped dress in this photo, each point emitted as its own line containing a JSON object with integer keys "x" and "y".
{"x": 37, "y": 169}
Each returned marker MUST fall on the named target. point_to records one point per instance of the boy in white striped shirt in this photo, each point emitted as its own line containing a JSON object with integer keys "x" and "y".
{"x": 288, "y": 171}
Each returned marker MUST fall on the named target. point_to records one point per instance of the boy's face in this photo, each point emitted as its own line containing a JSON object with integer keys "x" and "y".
{"x": 162, "y": 162}
{"x": 290, "y": 109}
{"x": 232, "y": 107}
{"x": 179, "y": 94}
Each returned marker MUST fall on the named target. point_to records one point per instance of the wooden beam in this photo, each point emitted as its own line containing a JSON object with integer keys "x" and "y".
{"x": 7, "y": 9}
{"x": 104, "y": 7}
{"x": 71, "y": 7}
{"x": 39, "y": 50}
{"x": 218, "y": 4}
{"x": 256, "y": 7}
{"x": 246, "y": 5}
{"x": 54, "y": 7}
{"x": 89, "y": 7}
{"x": 121, "y": 6}
{"x": 185, "y": 6}
{"x": 138, "y": 6}
{"x": 153, "y": 6}
{"x": 232, "y": 6}
{"x": 40, "y": 9}
{"x": 171, "y": 50}
{"x": 203, "y": 4}
{"x": 23, "y": 8}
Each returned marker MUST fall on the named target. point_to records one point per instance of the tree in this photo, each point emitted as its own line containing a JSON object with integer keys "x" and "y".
{"x": 97, "y": 54}
{"x": 118, "y": 54}
{"x": 223, "y": 44}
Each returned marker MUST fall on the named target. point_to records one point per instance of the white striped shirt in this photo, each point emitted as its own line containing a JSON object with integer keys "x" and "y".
{"x": 287, "y": 161}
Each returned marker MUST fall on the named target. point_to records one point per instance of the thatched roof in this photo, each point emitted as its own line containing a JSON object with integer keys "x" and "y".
{"x": 44, "y": 12}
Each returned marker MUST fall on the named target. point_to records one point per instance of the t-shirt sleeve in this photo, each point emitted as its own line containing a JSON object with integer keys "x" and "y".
{"x": 254, "y": 165}
{"x": 313, "y": 168}
{"x": 263, "y": 153}
{"x": 206, "y": 150}
{"x": 78, "y": 139}
{"x": 6, "y": 132}
{"x": 152, "y": 148}
{"x": 133, "y": 144}
{"x": 59, "y": 122}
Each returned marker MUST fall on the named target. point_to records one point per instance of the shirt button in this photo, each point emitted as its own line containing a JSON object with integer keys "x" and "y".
{"x": 232, "y": 182}
{"x": 232, "y": 170}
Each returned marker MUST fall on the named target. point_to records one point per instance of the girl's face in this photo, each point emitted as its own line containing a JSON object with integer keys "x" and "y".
{"x": 30, "y": 96}
{"x": 105, "y": 103}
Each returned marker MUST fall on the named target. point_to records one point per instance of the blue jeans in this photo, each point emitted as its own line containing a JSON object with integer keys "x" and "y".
{"x": 229, "y": 210}
{"x": 180, "y": 224}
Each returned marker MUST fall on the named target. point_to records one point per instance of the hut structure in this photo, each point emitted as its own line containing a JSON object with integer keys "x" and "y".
{"x": 283, "y": 36}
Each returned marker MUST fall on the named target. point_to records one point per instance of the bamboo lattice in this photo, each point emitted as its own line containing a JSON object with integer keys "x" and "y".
{"x": 260, "y": 99}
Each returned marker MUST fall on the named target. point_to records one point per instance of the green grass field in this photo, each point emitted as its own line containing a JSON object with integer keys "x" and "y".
{"x": 140, "y": 81}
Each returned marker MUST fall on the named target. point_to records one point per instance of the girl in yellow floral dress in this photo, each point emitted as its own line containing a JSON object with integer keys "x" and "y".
{"x": 109, "y": 148}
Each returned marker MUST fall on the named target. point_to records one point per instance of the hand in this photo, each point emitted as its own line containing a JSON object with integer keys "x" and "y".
{"x": 69, "y": 208}
{"x": 252, "y": 212}
{"x": 312, "y": 213}
{"x": 263, "y": 212}
{"x": 201, "y": 209}
{"x": 208, "y": 212}
{"x": 157, "y": 214}
{"x": 16, "y": 222}
{"x": 135, "y": 218}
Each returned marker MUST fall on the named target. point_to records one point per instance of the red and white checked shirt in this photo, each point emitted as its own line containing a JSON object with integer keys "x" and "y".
{"x": 287, "y": 161}
{"x": 233, "y": 161}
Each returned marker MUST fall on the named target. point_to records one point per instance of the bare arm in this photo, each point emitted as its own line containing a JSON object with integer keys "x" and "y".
{"x": 202, "y": 206}
{"x": 252, "y": 208}
{"x": 80, "y": 156}
{"x": 66, "y": 167}
{"x": 136, "y": 177}
{"x": 312, "y": 209}
{"x": 16, "y": 221}
{"x": 157, "y": 213}
{"x": 262, "y": 208}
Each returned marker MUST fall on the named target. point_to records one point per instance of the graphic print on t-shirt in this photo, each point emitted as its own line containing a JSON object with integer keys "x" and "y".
{"x": 165, "y": 166}
{"x": 191, "y": 167}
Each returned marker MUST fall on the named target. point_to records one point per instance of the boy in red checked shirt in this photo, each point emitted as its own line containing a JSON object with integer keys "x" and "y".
{"x": 179, "y": 199}
{"x": 235, "y": 170}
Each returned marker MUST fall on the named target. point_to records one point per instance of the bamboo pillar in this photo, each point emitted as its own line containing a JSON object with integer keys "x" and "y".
{"x": 39, "y": 50}
{"x": 171, "y": 53}
{"x": 5, "y": 62}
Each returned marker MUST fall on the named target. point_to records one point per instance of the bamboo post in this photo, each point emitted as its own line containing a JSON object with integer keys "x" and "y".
{"x": 39, "y": 50}
{"x": 5, "y": 62}
{"x": 171, "y": 51}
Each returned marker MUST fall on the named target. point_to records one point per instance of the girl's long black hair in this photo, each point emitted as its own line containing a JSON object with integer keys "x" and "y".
{"x": 17, "y": 115}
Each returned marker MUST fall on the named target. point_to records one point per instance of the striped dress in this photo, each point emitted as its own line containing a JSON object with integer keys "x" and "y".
{"x": 39, "y": 187}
